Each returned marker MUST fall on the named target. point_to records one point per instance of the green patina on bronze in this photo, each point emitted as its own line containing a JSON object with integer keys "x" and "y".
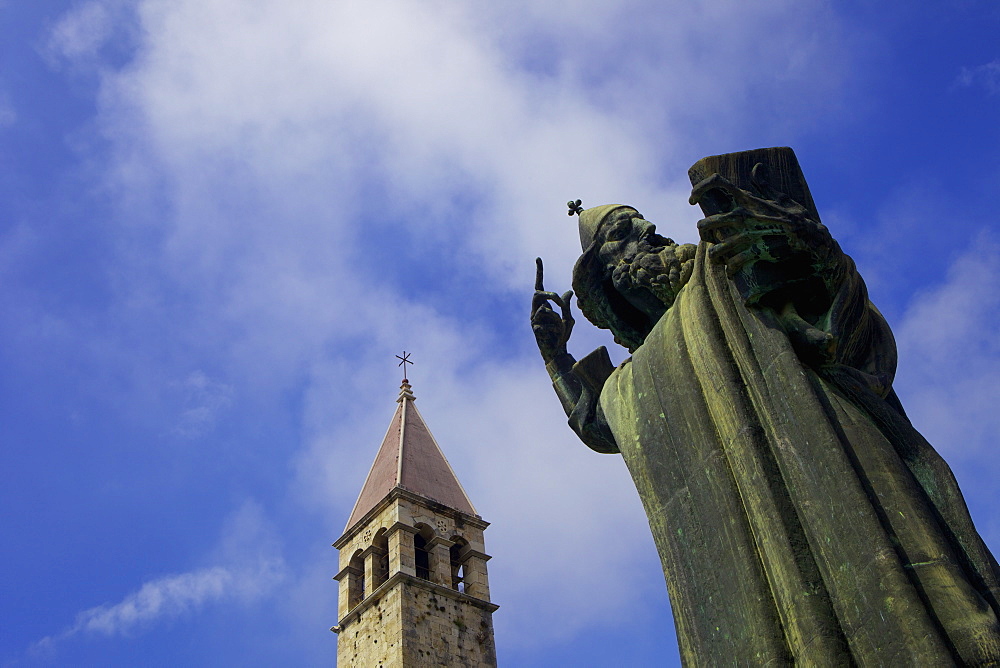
{"x": 799, "y": 516}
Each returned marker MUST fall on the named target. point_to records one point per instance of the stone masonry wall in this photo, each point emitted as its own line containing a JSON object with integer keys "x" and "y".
{"x": 442, "y": 631}
{"x": 374, "y": 640}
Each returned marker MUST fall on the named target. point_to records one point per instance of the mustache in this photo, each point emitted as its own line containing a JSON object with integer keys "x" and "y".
{"x": 653, "y": 243}
{"x": 652, "y": 255}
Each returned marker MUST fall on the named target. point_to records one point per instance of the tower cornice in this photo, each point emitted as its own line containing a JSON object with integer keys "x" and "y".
{"x": 401, "y": 493}
{"x": 398, "y": 578}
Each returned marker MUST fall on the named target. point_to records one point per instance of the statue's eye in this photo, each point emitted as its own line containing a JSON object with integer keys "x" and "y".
{"x": 618, "y": 232}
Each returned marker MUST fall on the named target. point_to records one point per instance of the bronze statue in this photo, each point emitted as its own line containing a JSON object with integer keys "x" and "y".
{"x": 798, "y": 515}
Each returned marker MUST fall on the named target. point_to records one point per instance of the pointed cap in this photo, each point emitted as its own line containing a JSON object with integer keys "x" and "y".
{"x": 410, "y": 458}
{"x": 591, "y": 220}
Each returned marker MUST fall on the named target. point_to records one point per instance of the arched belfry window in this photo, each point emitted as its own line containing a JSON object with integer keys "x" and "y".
{"x": 356, "y": 583}
{"x": 457, "y": 568}
{"x": 380, "y": 571}
{"x": 422, "y": 556}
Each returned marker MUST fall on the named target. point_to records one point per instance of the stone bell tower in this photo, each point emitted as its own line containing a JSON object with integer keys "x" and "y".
{"x": 413, "y": 585}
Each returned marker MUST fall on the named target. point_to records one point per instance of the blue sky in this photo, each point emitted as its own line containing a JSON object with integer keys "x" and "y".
{"x": 221, "y": 219}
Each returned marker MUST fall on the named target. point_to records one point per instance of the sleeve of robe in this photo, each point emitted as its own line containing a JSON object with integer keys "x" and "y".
{"x": 578, "y": 386}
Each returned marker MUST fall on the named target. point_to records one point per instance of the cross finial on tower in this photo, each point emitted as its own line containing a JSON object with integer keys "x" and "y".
{"x": 405, "y": 359}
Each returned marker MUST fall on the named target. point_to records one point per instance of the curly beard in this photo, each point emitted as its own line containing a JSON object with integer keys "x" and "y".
{"x": 657, "y": 269}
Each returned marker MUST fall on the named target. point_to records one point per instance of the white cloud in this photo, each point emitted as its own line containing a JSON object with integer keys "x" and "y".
{"x": 80, "y": 33}
{"x": 164, "y": 597}
{"x": 950, "y": 357}
{"x": 204, "y": 400}
{"x": 302, "y": 106}
{"x": 300, "y": 171}
{"x": 250, "y": 567}
{"x": 987, "y": 76}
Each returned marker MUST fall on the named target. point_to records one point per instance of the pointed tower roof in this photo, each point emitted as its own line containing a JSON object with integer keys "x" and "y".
{"x": 410, "y": 458}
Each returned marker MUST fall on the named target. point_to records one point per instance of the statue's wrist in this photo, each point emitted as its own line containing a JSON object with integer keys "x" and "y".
{"x": 560, "y": 364}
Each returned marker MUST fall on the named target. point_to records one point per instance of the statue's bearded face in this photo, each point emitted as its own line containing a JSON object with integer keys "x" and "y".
{"x": 645, "y": 268}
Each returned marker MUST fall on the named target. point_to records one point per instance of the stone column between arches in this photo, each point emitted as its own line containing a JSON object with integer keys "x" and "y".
{"x": 439, "y": 549}
{"x": 402, "y": 558}
{"x": 477, "y": 582}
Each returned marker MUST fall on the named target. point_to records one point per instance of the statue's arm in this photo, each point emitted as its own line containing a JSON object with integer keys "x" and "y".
{"x": 564, "y": 381}
{"x": 587, "y": 418}
{"x": 577, "y": 384}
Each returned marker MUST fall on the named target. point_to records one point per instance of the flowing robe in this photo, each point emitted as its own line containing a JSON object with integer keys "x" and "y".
{"x": 798, "y": 515}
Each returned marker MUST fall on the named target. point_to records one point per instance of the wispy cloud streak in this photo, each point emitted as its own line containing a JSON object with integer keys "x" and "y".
{"x": 251, "y": 568}
{"x": 987, "y": 76}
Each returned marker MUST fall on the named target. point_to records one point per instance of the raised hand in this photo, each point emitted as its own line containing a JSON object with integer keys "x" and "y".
{"x": 551, "y": 330}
